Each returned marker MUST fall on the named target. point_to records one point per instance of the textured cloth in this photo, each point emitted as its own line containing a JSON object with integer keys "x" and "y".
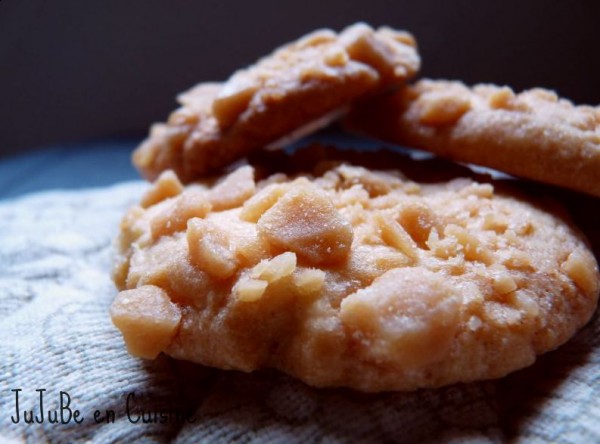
{"x": 55, "y": 290}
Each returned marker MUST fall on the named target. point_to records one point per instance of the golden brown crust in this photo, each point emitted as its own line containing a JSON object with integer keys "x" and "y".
{"x": 302, "y": 82}
{"x": 533, "y": 134}
{"x": 346, "y": 276}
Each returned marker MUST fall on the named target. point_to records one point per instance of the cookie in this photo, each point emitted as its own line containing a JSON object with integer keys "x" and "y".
{"x": 342, "y": 275}
{"x": 300, "y": 87}
{"x": 533, "y": 134}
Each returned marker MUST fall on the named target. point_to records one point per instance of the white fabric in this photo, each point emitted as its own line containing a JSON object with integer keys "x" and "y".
{"x": 55, "y": 290}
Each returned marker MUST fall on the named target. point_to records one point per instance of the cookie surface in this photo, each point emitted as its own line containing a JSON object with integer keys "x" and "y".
{"x": 533, "y": 134}
{"x": 342, "y": 275}
{"x": 303, "y": 83}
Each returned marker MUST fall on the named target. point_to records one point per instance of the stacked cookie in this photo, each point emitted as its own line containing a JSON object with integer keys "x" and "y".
{"x": 348, "y": 269}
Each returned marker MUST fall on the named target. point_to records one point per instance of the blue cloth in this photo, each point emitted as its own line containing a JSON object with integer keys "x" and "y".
{"x": 92, "y": 164}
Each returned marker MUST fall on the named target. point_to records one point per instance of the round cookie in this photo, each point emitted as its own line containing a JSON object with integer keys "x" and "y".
{"x": 301, "y": 86}
{"x": 342, "y": 275}
{"x": 533, "y": 134}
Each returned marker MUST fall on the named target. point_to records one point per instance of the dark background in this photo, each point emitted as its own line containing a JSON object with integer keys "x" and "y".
{"x": 77, "y": 70}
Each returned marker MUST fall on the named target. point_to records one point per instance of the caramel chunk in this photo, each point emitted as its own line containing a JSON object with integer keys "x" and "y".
{"x": 394, "y": 235}
{"x": 147, "y": 319}
{"x": 442, "y": 108}
{"x": 474, "y": 250}
{"x": 233, "y": 99}
{"x": 309, "y": 281}
{"x": 306, "y": 222}
{"x": 209, "y": 249}
{"x": 167, "y": 185}
{"x": 503, "y": 282}
{"x": 274, "y": 269}
{"x": 418, "y": 220}
{"x": 581, "y": 269}
{"x": 234, "y": 190}
{"x": 256, "y": 206}
{"x": 385, "y": 51}
{"x": 406, "y": 316}
{"x": 501, "y": 98}
{"x": 250, "y": 290}
{"x": 175, "y": 216}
